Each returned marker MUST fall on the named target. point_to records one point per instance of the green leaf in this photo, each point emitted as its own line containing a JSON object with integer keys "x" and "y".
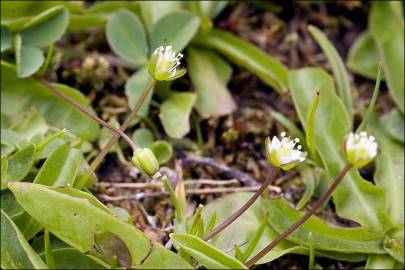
{"x": 363, "y": 56}
{"x": 28, "y": 58}
{"x": 16, "y": 253}
{"x": 60, "y": 168}
{"x": 394, "y": 243}
{"x": 6, "y": 39}
{"x": 19, "y": 165}
{"x": 46, "y": 27}
{"x": 338, "y": 68}
{"x": 162, "y": 150}
{"x": 9, "y": 204}
{"x": 393, "y": 123}
{"x": 31, "y": 126}
{"x": 205, "y": 254}
{"x": 354, "y": 198}
{"x": 175, "y": 29}
{"x": 346, "y": 240}
{"x": 4, "y": 166}
{"x": 27, "y": 225}
{"x": 110, "y": 245}
{"x": 162, "y": 258}
{"x": 387, "y": 29}
{"x": 134, "y": 88}
{"x": 18, "y": 95}
{"x": 389, "y": 173}
{"x": 153, "y": 11}
{"x": 74, "y": 216}
{"x": 127, "y": 38}
{"x": 248, "y": 56}
{"x": 70, "y": 258}
{"x": 213, "y": 98}
{"x": 381, "y": 261}
{"x": 291, "y": 127}
{"x": 175, "y": 113}
{"x": 143, "y": 137}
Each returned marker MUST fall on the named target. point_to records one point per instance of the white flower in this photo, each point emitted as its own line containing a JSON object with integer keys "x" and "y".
{"x": 164, "y": 63}
{"x": 360, "y": 149}
{"x": 282, "y": 153}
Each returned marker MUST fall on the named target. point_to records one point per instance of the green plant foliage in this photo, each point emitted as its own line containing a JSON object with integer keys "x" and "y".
{"x": 248, "y": 56}
{"x": 387, "y": 29}
{"x": 205, "y": 254}
{"x": 209, "y": 75}
{"x": 153, "y": 11}
{"x": 175, "y": 113}
{"x": 126, "y": 36}
{"x": 175, "y": 29}
{"x": 162, "y": 150}
{"x": 393, "y": 124}
{"x": 16, "y": 253}
{"x": 28, "y": 58}
{"x": 338, "y": 68}
{"x": 363, "y": 56}
{"x": 70, "y": 258}
{"x": 143, "y": 137}
{"x": 308, "y": 177}
{"x": 6, "y": 39}
{"x": 18, "y": 95}
{"x": 347, "y": 240}
{"x": 354, "y": 198}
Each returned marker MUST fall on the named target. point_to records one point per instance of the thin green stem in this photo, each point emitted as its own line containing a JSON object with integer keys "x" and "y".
{"x": 48, "y": 59}
{"x": 96, "y": 162}
{"x": 245, "y": 207}
{"x": 304, "y": 218}
{"x": 72, "y": 102}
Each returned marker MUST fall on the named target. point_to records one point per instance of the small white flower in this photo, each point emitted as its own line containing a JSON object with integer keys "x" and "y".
{"x": 164, "y": 63}
{"x": 282, "y": 153}
{"x": 360, "y": 149}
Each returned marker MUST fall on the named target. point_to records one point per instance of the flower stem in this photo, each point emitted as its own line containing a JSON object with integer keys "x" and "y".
{"x": 245, "y": 207}
{"x": 72, "y": 102}
{"x": 94, "y": 164}
{"x": 304, "y": 218}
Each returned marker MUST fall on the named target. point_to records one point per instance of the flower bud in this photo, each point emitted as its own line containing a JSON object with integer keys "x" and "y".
{"x": 145, "y": 160}
{"x": 164, "y": 63}
{"x": 360, "y": 149}
{"x": 282, "y": 153}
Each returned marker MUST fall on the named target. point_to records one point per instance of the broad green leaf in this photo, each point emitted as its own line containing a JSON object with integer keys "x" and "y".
{"x": 28, "y": 58}
{"x": 49, "y": 148}
{"x": 153, "y": 11}
{"x": 175, "y": 113}
{"x": 387, "y": 29}
{"x": 338, "y": 68}
{"x": 346, "y": 240}
{"x": 393, "y": 123}
{"x": 213, "y": 98}
{"x": 4, "y": 166}
{"x": 175, "y": 29}
{"x": 394, "y": 243}
{"x": 109, "y": 246}
{"x": 10, "y": 137}
{"x": 6, "y": 39}
{"x": 27, "y": 225}
{"x": 354, "y": 198}
{"x": 363, "y": 56}
{"x": 162, "y": 150}
{"x": 209, "y": 256}
{"x": 134, "y": 88}
{"x": 248, "y": 56}
{"x": 17, "y": 95}
{"x": 70, "y": 258}
{"x": 126, "y": 36}
{"x": 60, "y": 168}
{"x": 46, "y": 27}
{"x": 19, "y": 165}
{"x": 80, "y": 219}
{"x": 389, "y": 173}
{"x": 33, "y": 124}
{"x": 162, "y": 258}
{"x": 9, "y": 204}
{"x": 16, "y": 253}
{"x": 381, "y": 261}
{"x": 143, "y": 137}
{"x": 209, "y": 8}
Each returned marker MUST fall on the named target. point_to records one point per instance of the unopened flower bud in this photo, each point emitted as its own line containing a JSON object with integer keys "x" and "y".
{"x": 360, "y": 149}
{"x": 282, "y": 153}
{"x": 145, "y": 160}
{"x": 164, "y": 63}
